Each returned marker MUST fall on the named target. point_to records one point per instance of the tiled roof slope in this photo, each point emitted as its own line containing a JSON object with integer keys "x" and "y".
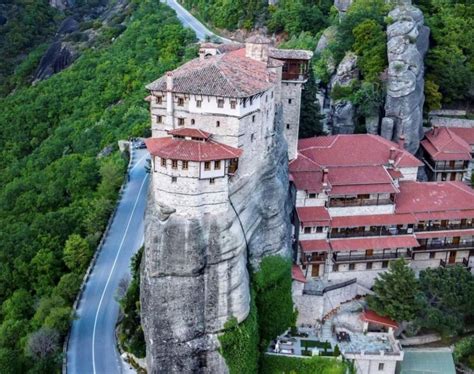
{"x": 443, "y": 144}
{"x": 417, "y": 197}
{"x": 191, "y": 150}
{"x": 354, "y": 150}
{"x": 227, "y": 75}
{"x": 465, "y": 133}
{"x": 190, "y": 133}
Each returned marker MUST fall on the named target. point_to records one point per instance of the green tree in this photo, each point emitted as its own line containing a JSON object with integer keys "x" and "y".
{"x": 77, "y": 253}
{"x": 310, "y": 113}
{"x": 396, "y": 293}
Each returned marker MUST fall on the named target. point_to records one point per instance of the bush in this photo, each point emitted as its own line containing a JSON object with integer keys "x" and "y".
{"x": 464, "y": 351}
{"x": 272, "y": 364}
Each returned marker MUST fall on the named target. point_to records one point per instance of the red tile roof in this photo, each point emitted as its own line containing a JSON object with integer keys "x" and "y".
{"x": 353, "y": 150}
{"x": 444, "y": 144}
{"x": 313, "y": 215}
{"x": 226, "y": 75}
{"x": 314, "y": 245}
{"x": 191, "y": 150}
{"x": 465, "y": 133}
{"x": 190, "y": 133}
{"x": 452, "y": 214}
{"x": 308, "y": 181}
{"x": 297, "y": 274}
{"x": 429, "y": 197}
{"x": 372, "y": 317}
{"x": 383, "y": 242}
{"x": 443, "y": 234}
{"x": 372, "y": 220}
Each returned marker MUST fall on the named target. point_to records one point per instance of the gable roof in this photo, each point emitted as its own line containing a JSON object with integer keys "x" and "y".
{"x": 191, "y": 150}
{"x": 443, "y": 144}
{"x": 226, "y": 75}
{"x": 190, "y": 133}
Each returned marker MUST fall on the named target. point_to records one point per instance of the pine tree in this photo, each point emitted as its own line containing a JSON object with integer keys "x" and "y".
{"x": 397, "y": 293}
{"x": 310, "y": 116}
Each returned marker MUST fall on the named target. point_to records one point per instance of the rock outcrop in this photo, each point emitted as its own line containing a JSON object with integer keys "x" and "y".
{"x": 407, "y": 45}
{"x": 342, "y": 111}
{"x": 194, "y": 276}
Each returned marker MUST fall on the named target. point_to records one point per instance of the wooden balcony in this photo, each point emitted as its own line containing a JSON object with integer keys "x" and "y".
{"x": 379, "y": 232}
{"x": 441, "y": 247}
{"x": 464, "y": 262}
{"x": 347, "y": 258}
{"x": 444, "y": 227}
{"x": 340, "y": 203}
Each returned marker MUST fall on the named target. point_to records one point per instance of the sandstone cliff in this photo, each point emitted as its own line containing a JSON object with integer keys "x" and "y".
{"x": 195, "y": 277}
{"x": 407, "y": 45}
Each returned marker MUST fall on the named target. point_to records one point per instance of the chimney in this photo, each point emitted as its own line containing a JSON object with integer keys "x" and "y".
{"x": 401, "y": 141}
{"x": 256, "y": 48}
{"x": 325, "y": 178}
{"x": 169, "y": 81}
{"x": 391, "y": 157}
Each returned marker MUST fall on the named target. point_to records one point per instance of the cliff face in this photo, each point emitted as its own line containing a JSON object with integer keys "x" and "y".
{"x": 194, "y": 276}
{"x": 407, "y": 45}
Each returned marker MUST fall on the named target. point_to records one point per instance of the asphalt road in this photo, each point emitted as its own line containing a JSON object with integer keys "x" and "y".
{"x": 92, "y": 344}
{"x": 188, "y": 20}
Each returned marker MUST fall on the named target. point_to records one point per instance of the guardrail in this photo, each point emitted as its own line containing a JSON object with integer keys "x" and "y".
{"x": 94, "y": 257}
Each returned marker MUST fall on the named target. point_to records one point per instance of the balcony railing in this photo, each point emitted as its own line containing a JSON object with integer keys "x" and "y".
{"x": 333, "y": 203}
{"x": 380, "y": 232}
{"x": 343, "y": 258}
{"x": 464, "y": 262}
{"x": 442, "y": 228}
{"x": 443, "y": 246}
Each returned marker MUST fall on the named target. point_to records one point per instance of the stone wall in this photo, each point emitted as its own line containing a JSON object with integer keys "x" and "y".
{"x": 407, "y": 45}
{"x": 194, "y": 274}
{"x": 291, "y": 91}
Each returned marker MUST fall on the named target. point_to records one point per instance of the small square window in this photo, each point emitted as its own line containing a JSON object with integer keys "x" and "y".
{"x": 351, "y": 266}
{"x": 207, "y": 165}
{"x": 159, "y": 119}
{"x": 218, "y": 123}
{"x": 253, "y": 118}
{"x": 307, "y": 230}
{"x": 312, "y": 196}
{"x": 384, "y": 264}
{"x": 381, "y": 366}
{"x": 174, "y": 179}
{"x": 233, "y": 104}
{"x": 289, "y": 101}
{"x": 217, "y": 165}
{"x": 159, "y": 100}
{"x": 368, "y": 266}
{"x": 174, "y": 164}
{"x": 212, "y": 181}
{"x": 220, "y": 103}
{"x": 198, "y": 103}
{"x": 180, "y": 121}
{"x": 319, "y": 229}
{"x": 185, "y": 165}
{"x": 163, "y": 162}
{"x": 180, "y": 101}
{"x": 287, "y": 126}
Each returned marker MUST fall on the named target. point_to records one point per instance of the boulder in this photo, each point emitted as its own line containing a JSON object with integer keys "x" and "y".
{"x": 57, "y": 57}
{"x": 343, "y": 117}
{"x": 342, "y": 5}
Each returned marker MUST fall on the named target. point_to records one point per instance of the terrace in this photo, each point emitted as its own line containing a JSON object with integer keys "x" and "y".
{"x": 344, "y": 258}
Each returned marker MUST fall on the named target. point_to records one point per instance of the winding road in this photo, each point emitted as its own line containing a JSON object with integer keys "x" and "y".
{"x": 92, "y": 343}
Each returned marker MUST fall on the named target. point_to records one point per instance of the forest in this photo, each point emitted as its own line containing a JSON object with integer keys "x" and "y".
{"x": 56, "y": 193}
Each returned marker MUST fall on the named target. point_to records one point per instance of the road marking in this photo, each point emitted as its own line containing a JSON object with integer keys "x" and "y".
{"x": 138, "y": 162}
{"x": 111, "y": 271}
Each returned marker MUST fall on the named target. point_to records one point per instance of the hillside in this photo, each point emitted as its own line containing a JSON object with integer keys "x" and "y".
{"x": 56, "y": 194}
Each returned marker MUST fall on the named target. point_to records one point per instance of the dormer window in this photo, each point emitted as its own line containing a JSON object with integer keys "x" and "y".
{"x": 180, "y": 101}
{"x": 220, "y": 103}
